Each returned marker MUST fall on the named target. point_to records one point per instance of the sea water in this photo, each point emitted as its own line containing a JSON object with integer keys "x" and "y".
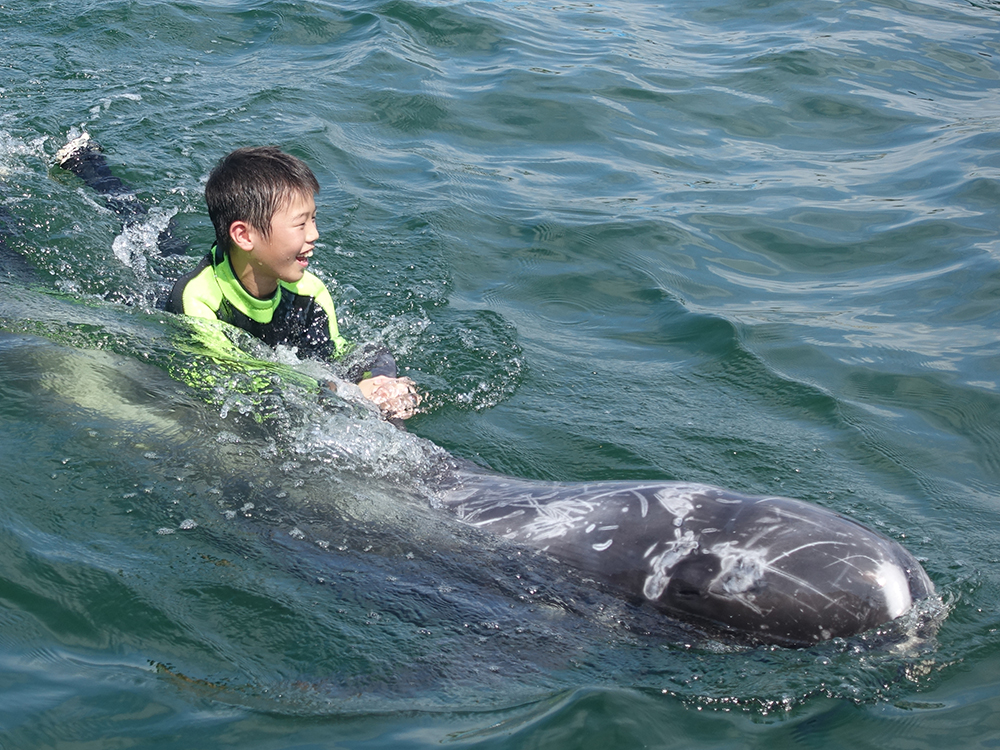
{"x": 752, "y": 244}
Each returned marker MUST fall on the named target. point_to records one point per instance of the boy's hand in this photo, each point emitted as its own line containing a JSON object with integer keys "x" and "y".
{"x": 397, "y": 397}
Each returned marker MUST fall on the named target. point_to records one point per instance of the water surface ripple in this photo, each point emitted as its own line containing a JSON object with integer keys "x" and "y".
{"x": 750, "y": 243}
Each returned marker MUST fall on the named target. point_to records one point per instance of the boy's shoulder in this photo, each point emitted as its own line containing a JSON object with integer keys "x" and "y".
{"x": 310, "y": 285}
{"x": 199, "y": 282}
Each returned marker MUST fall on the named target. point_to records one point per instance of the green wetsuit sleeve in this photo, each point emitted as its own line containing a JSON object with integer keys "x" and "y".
{"x": 340, "y": 345}
{"x": 196, "y": 293}
{"x": 323, "y": 318}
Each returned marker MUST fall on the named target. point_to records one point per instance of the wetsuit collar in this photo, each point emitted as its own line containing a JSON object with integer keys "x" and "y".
{"x": 218, "y": 255}
{"x": 234, "y": 291}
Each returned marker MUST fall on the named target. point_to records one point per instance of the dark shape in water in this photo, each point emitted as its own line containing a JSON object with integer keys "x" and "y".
{"x": 83, "y": 157}
{"x": 12, "y": 264}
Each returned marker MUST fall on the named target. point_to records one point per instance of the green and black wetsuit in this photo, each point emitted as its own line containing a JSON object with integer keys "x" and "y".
{"x": 299, "y": 315}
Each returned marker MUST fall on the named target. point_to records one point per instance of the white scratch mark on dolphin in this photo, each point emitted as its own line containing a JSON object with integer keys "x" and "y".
{"x": 790, "y": 552}
{"x": 558, "y": 518}
{"x": 662, "y": 565}
{"x": 678, "y": 501}
{"x": 512, "y": 514}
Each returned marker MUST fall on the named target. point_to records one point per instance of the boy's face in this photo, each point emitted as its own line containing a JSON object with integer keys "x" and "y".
{"x": 284, "y": 254}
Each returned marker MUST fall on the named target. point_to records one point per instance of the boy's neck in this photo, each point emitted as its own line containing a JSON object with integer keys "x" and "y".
{"x": 261, "y": 286}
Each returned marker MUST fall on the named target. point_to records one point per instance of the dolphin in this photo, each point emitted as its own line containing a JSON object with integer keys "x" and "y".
{"x": 768, "y": 569}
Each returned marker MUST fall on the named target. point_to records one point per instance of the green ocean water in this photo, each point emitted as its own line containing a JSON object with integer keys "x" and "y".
{"x": 751, "y": 244}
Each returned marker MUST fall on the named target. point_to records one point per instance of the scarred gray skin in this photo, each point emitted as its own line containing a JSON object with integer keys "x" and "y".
{"x": 767, "y": 569}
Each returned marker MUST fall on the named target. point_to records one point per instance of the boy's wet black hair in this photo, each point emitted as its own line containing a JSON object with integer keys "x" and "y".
{"x": 252, "y": 184}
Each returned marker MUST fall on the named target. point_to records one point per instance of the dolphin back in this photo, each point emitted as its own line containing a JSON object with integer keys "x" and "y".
{"x": 769, "y": 569}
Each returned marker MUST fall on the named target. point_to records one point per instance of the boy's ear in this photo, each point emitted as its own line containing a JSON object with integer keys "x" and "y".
{"x": 239, "y": 233}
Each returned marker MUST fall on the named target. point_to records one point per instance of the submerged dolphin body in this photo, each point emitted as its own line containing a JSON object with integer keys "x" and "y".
{"x": 772, "y": 569}
{"x": 766, "y": 569}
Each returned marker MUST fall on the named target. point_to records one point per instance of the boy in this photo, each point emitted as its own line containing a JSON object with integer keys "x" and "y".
{"x": 261, "y": 203}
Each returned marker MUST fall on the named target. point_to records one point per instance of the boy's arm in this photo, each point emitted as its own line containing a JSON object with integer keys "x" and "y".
{"x": 195, "y": 294}
{"x": 375, "y": 371}
{"x": 338, "y": 344}
{"x": 396, "y": 397}
{"x": 376, "y": 375}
